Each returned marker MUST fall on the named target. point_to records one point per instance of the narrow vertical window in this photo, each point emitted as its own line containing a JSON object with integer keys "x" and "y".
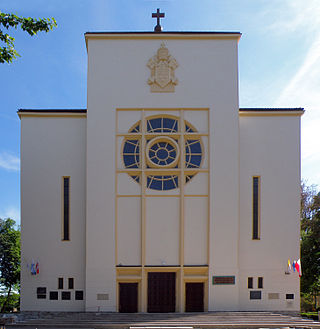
{"x": 66, "y": 208}
{"x": 260, "y": 282}
{"x": 70, "y": 283}
{"x": 250, "y": 283}
{"x": 255, "y": 204}
{"x": 60, "y": 283}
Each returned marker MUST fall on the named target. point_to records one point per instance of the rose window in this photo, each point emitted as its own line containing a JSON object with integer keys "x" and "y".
{"x": 162, "y": 152}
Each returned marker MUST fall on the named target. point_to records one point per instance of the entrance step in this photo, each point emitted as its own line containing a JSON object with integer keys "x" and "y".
{"x": 172, "y": 327}
{"x": 207, "y": 320}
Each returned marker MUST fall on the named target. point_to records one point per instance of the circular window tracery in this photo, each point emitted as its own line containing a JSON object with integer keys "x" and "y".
{"x": 162, "y": 151}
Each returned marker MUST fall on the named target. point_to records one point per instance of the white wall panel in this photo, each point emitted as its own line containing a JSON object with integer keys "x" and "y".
{"x": 126, "y": 119}
{"x": 162, "y": 230}
{"x": 198, "y": 184}
{"x": 196, "y": 233}
{"x": 199, "y": 119}
{"x": 163, "y": 112}
{"x": 129, "y": 231}
{"x": 127, "y": 185}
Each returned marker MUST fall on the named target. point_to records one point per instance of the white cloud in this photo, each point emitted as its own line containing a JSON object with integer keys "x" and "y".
{"x": 11, "y": 212}
{"x": 9, "y": 161}
{"x": 295, "y": 16}
{"x": 303, "y": 88}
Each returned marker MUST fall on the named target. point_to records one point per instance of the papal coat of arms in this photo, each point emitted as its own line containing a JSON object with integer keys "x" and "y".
{"x": 162, "y": 66}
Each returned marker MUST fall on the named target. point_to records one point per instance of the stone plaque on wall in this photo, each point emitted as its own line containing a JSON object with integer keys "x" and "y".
{"x": 102, "y": 296}
{"x": 229, "y": 279}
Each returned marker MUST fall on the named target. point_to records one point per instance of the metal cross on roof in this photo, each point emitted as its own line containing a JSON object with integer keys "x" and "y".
{"x": 158, "y": 15}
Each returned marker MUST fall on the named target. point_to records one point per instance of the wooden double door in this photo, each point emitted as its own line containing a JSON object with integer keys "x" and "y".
{"x": 161, "y": 292}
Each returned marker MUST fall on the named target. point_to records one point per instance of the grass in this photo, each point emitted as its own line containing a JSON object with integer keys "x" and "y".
{"x": 310, "y": 315}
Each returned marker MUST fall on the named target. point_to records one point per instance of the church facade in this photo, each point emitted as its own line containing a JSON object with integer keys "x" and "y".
{"x": 163, "y": 195}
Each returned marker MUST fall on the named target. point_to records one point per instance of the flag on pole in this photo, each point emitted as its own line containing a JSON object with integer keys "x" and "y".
{"x": 289, "y": 266}
{"x": 33, "y": 268}
{"x": 299, "y": 270}
{"x": 294, "y": 265}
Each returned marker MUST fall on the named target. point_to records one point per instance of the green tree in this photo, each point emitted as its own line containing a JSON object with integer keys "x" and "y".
{"x": 31, "y": 25}
{"x": 9, "y": 260}
{"x": 310, "y": 242}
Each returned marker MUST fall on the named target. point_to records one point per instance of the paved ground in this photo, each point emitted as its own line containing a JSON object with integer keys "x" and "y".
{"x": 196, "y": 320}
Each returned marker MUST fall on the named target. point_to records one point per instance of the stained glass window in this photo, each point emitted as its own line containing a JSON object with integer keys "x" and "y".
{"x": 193, "y": 153}
{"x": 162, "y": 151}
{"x": 162, "y": 125}
{"x": 162, "y": 182}
{"x": 131, "y": 153}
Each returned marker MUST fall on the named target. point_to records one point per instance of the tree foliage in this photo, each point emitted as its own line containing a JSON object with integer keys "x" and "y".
{"x": 310, "y": 241}
{"x": 9, "y": 259}
{"x": 30, "y": 25}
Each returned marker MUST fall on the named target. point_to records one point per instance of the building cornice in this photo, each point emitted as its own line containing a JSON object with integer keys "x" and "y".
{"x": 168, "y": 35}
{"x": 77, "y": 113}
{"x": 83, "y": 112}
{"x": 254, "y": 111}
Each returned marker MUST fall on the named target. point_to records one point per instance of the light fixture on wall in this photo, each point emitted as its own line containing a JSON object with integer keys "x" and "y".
{"x": 163, "y": 262}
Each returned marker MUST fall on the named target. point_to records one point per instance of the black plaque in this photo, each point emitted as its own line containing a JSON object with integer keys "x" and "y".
{"x": 255, "y": 294}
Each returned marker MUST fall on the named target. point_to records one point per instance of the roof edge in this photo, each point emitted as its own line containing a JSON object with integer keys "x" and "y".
{"x": 264, "y": 112}
{"x": 52, "y": 110}
{"x": 82, "y": 113}
{"x": 167, "y": 35}
{"x": 164, "y": 32}
{"x": 271, "y": 109}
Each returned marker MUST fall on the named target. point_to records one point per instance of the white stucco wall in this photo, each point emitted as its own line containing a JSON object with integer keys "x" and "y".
{"x": 129, "y": 231}
{"x": 50, "y": 149}
{"x": 195, "y": 235}
{"x": 117, "y": 78}
{"x": 270, "y": 148}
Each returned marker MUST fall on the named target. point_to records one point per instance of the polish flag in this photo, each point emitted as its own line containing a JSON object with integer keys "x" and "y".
{"x": 298, "y": 267}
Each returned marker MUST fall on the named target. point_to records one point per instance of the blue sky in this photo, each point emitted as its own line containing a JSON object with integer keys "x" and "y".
{"x": 279, "y": 62}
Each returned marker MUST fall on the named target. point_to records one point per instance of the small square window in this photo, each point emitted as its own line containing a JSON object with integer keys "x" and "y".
{"x": 53, "y": 295}
{"x": 66, "y": 295}
{"x": 260, "y": 282}
{"x": 289, "y": 296}
{"x": 70, "y": 283}
{"x": 250, "y": 283}
{"x": 79, "y": 295}
{"x": 60, "y": 283}
{"x": 255, "y": 294}
{"x": 41, "y": 290}
{"x": 41, "y": 293}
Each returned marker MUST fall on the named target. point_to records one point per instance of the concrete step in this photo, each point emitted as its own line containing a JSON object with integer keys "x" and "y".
{"x": 154, "y": 321}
